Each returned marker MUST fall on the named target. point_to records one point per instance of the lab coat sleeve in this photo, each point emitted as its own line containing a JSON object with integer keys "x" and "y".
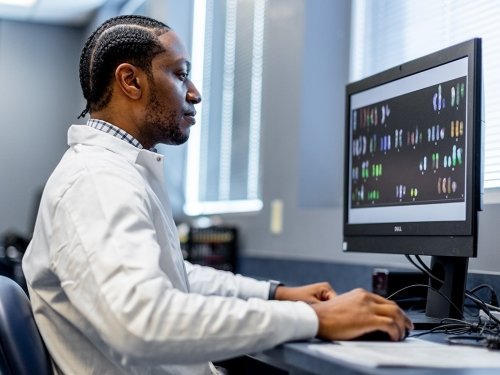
{"x": 209, "y": 281}
{"x": 109, "y": 269}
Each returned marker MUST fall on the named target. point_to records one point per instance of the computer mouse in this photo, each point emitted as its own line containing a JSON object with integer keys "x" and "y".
{"x": 377, "y": 335}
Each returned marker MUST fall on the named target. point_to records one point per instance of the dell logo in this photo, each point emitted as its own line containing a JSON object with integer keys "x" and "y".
{"x": 398, "y": 228}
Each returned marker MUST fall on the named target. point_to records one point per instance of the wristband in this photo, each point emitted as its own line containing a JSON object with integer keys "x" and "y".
{"x": 273, "y": 285}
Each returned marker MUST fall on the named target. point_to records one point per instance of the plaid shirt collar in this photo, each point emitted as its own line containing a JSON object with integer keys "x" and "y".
{"x": 115, "y": 131}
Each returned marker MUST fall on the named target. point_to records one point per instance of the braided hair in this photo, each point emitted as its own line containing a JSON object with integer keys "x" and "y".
{"x": 131, "y": 39}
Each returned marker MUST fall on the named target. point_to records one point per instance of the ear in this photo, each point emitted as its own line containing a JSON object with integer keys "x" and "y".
{"x": 130, "y": 80}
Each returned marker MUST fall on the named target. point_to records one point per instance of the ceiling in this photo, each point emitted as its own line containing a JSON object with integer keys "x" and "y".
{"x": 69, "y": 12}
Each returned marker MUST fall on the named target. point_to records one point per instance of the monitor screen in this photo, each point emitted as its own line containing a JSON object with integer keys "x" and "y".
{"x": 426, "y": 168}
{"x": 413, "y": 175}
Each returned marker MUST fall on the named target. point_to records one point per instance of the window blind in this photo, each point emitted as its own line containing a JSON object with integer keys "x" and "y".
{"x": 224, "y": 148}
{"x": 386, "y": 33}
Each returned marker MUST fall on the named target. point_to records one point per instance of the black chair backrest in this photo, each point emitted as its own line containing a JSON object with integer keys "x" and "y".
{"x": 22, "y": 351}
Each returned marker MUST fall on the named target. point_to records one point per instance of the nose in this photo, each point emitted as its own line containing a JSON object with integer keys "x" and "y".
{"x": 193, "y": 95}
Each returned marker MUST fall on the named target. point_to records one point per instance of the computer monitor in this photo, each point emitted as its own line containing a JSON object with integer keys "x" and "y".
{"x": 413, "y": 166}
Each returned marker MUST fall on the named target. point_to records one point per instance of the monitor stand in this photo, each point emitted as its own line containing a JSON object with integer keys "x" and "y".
{"x": 446, "y": 298}
{"x": 422, "y": 322}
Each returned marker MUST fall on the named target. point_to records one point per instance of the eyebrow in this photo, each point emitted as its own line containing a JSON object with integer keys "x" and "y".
{"x": 184, "y": 61}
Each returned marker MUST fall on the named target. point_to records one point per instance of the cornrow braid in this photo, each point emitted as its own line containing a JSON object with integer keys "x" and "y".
{"x": 132, "y": 39}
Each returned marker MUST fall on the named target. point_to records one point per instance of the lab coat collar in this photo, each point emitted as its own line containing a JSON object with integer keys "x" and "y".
{"x": 83, "y": 134}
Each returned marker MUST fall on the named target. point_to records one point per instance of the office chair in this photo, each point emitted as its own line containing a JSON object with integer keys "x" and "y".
{"x": 22, "y": 351}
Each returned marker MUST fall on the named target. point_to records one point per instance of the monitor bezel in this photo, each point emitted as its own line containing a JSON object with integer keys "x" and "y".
{"x": 450, "y": 238}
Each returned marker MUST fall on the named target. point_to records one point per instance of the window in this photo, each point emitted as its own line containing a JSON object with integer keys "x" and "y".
{"x": 388, "y": 32}
{"x": 223, "y": 151}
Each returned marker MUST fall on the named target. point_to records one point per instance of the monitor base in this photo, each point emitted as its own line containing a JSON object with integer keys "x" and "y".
{"x": 423, "y": 322}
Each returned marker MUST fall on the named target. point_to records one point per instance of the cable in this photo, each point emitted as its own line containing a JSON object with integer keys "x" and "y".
{"x": 433, "y": 289}
{"x": 482, "y": 286}
{"x": 484, "y": 306}
{"x": 460, "y": 327}
{"x": 424, "y": 266}
{"x": 426, "y": 270}
{"x": 494, "y": 299}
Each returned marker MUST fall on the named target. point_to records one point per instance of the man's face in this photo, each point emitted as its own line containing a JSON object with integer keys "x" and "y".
{"x": 170, "y": 109}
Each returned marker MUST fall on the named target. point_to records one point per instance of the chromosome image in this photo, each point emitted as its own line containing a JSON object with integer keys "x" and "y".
{"x": 410, "y": 149}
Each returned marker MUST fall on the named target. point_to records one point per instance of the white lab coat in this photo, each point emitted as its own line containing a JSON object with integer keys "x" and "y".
{"x": 110, "y": 291}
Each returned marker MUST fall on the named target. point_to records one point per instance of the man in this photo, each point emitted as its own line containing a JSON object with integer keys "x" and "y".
{"x": 109, "y": 288}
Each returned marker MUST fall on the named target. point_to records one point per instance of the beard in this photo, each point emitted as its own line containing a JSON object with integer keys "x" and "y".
{"x": 162, "y": 125}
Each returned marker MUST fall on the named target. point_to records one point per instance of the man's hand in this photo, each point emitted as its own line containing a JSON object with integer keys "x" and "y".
{"x": 311, "y": 293}
{"x": 354, "y": 313}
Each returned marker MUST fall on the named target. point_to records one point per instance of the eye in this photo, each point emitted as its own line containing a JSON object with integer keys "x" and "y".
{"x": 183, "y": 75}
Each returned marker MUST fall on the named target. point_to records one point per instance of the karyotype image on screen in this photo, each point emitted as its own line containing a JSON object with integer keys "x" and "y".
{"x": 410, "y": 149}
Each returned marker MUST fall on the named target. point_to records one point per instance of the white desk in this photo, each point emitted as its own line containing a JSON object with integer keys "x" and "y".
{"x": 301, "y": 358}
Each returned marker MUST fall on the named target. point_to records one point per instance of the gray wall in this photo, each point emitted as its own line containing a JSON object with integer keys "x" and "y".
{"x": 38, "y": 100}
{"x": 305, "y": 72}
